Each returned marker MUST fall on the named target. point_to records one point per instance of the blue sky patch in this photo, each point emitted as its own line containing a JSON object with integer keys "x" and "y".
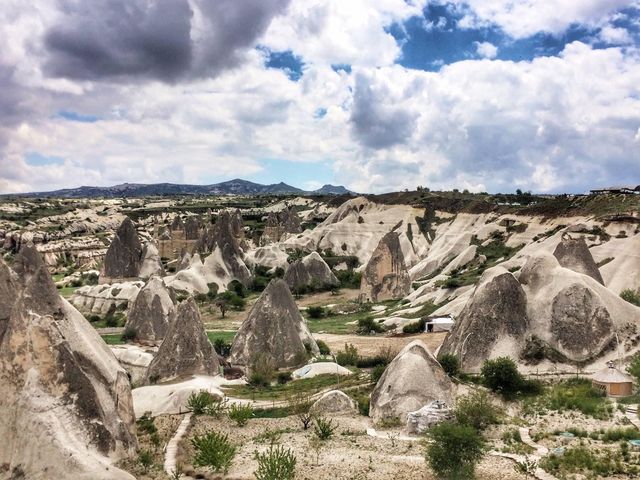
{"x": 291, "y": 64}
{"x": 341, "y": 67}
{"x": 296, "y": 174}
{"x": 77, "y": 117}
{"x": 36, "y": 159}
{"x": 435, "y": 39}
{"x": 320, "y": 112}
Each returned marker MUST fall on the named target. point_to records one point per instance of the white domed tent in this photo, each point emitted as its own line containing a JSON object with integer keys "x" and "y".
{"x": 613, "y": 382}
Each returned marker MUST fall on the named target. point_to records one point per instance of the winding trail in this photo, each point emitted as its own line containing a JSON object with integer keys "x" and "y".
{"x": 540, "y": 451}
{"x": 172, "y": 447}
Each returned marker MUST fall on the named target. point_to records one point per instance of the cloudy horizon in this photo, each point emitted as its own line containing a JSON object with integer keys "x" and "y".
{"x": 484, "y": 95}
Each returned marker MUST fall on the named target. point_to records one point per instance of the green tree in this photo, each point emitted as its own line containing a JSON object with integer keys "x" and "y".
{"x": 454, "y": 451}
{"x": 502, "y": 375}
{"x": 476, "y": 410}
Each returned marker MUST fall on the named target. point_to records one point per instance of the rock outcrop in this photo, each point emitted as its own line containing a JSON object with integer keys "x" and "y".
{"x": 412, "y": 380}
{"x": 66, "y": 402}
{"x": 334, "y": 402}
{"x": 274, "y": 327}
{"x": 124, "y": 256}
{"x": 151, "y": 262}
{"x": 310, "y": 272}
{"x": 185, "y": 350}
{"x": 177, "y": 224}
{"x": 385, "y": 277}
{"x": 420, "y": 421}
{"x": 192, "y": 228}
{"x": 278, "y": 224}
{"x": 152, "y": 312}
{"x": 573, "y": 253}
{"x": 493, "y": 323}
{"x": 9, "y": 287}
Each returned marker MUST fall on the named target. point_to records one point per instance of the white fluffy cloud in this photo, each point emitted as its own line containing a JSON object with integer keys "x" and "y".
{"x": 486, "y": 49}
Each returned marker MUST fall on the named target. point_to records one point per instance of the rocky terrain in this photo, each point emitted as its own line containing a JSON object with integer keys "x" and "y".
{"x": 360, "y": 306}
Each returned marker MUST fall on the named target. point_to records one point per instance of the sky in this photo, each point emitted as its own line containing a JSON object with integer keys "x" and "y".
{"x": 375, "y": 95}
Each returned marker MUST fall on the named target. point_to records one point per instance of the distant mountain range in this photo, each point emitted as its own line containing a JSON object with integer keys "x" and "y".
{"x": 231, "y": 187}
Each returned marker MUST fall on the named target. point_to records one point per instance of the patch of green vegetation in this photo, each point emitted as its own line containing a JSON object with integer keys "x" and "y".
{"x": 113, "y": 339}
{"x": 302, "y": 386}
{"x": 576, "y": 394}
{"x": 631, "y": 296}
{"x": 582, "y": 460}
{"x": 67, "y": 292}
{"x": 226, "y": 335}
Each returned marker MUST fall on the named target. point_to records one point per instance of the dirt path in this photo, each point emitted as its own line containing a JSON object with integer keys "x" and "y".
{"x": 172, "y": 447}
{"x": 369, "y": 346}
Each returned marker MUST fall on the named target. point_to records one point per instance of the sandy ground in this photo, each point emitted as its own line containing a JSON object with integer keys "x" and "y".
{"x": 369, "y": 346}
{"x": 349, "y": 455}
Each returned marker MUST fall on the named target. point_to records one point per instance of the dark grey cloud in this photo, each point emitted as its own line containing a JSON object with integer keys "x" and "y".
{"x": 376, "y": 122}
{"x": 124, "y": 40}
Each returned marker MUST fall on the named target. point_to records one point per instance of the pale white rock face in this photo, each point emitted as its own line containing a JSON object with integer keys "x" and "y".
{"x": 464, "y": 258}
{"x": 152, "y": 311}
{"x": 320, "y": 368}
{"x": 271, "y": 256}
{"x": 134, "y": 359}
{"x": 413, "y": 379}
{"x": 151, "y": 263}
{"x": 334, "y": 402}
{"x": 356, "y": 227}
{"x": 192, "y": 279}
{"x": 623, "y": 272}
{"x": 99, "y": 299}
{"x": 421, "y": 420}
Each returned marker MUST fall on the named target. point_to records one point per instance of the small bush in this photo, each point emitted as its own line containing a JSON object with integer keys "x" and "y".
{"x": 369, "y": 326}
{"x": 277, "y": 463}
{"x": 129, "y": 334}
{"x": 476, "y": 410}
{"x": 222, "y": 347}
{"x": 146, "y": 424}
{"x": 502, "y": 375}
{"x": 283, "y": 377}
{"x": 323, "y": 347}
{"x": 450, "y": 364}
{"x": 377, "y": 372}
{"x": 262, "y": 370}
{"x": 415, "y": 327}
{"x": 349, "y": 356}
{"x": 631, "y": 296}
{"x": 324, "y": 428}
{"x": 145, "y": 459}
{"x": 455, "y": 450}
{"x": 198, "y": 402}
{"x": 316, "y": 312}
{"x": 213, "y": 450}
{"x": 240, "y": 414}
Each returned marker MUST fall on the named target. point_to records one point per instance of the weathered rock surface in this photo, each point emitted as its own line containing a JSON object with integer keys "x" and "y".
{"x": 100, "y": 299}
{"x": 573, "y": 253}
{"x": 66, "y": 402}
{"x": 413, "y": 379}
{"x": 192, "y": 228}
{"x": 278, "y": 224}
{"x": 9, "y": 287}
{"x": 310, "y": 272}
{"x": 334, "y": 402}
{"x": 177, "y": 224}
{"x": 493, "y": 323}
{"x": 421, "y": 420}
{"x": 124, "y": 256}
{"x": 274, "y": 327}
{"x": 271, "y": 256}
{"x": 152, "y": 312}
{"x": 151, "y": 262}
{"x": 385, "y": 277}
{"x": 185, "y": 350}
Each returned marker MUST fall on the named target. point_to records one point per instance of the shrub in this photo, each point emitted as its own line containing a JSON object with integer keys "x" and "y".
{"x": 222, "y": 347}
{"x": 368, "y": 325}
{"x": 349, "y": 356}
{"x": 634, "y": 367}
{"x": 316, "y": 312}
{"x": 415, "y": 327}
{"x": 146, "y": 424}
{"x": 277, "y": 463}
{"x": 349, "y": 278}
{"x": 283, "y": 377}
{"x": 476, "y": 410}
{"x": 240, "y": 414}
{"x": 262, "y": 370}
{"x": 129, "y": 334}
{"x": 238, "y": 288}
{"x": 631, "y": 296}
{"x": 450, "y": 364}
{"x": 363, "y": 405}
{"x": 198, "y": 402}
{"x": 324, "y": 428}
{"x": 213, "y": 450}
{"x": 455, "y": 450}
{"x": 323, "y": 347}
{"x": 145, "y": 459}
{"x": 502, "y": 375}
{"x": 377, "y": 372}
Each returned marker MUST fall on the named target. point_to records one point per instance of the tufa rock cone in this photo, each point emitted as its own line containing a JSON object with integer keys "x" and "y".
{"x": 124, "y": 256}
{"x": 385, "y": 277}
{"x": 152, "y": 312}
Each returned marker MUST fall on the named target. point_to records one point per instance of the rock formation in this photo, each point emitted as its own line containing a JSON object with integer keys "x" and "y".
{"x": 274, "y": 327}
{"x": 177, "y": 224}
{"x": 152, "y": 311}
{"x": 9, "y": 287}
{"x": 185, "y": 350}
{"x": 495, "y": 319}
{"x": 334, "y": 402}
{"x": 66, "y": 402}
{"x": 192, "y": 228}
{"x": 184, "y": 260}
{"x": 279, "y": 224}
{"x": 310, "y": 272}
{"x": 124, "y": 256}
{"x": 385, "y": 277}
{"x": 573, "y": 253}
{"x": 412, "y": 380}
{"x": 151, "y": 262}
